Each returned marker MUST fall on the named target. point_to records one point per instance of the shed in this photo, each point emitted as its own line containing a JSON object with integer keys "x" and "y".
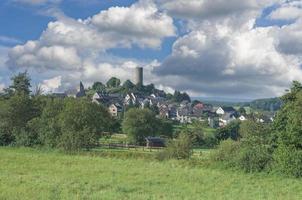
{"x": 155, "y": 142}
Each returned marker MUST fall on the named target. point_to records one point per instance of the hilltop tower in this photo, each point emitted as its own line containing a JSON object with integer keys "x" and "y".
{"x": 139, "y": 73}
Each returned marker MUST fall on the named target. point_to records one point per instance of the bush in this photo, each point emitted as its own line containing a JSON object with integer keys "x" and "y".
{"x": 230, "y": 131}
{"x": 254, "y": 158}
{"x": 227, "y": 152}
{"x": 288, "y": 161}
{"x": 180, "y": 148}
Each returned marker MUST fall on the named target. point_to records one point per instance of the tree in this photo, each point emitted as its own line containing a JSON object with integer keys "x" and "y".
{"x": 165, "y": 128}
{"x": 230, "y": 131}
{"x": 140, "y": 123}
{"x": 242, "y": 111}
{"x": 179, "y": 97}
{"x": 128, "y": 85}
{"x": 21, "y": 84}
{"x": 82, "y": 123}
{"x": 113, "y": 82}
{"x": 98, "y": 87}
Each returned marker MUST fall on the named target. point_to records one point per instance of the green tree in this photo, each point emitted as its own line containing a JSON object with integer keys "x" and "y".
{"x": 179, "y": 97}
{"x": 82, "y": 123}
{"x": 229, "y": 131}
{"x": 113, "y": 82}
{"x": 98, "y": 87}
{"x": 21, "y": 84}
{"x": 140, "y": 123}
{"x": 242, "y": 111}
{"x": 128, "y": 85}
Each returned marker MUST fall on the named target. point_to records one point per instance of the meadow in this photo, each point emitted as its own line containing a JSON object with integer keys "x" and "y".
{"x": 39, "y": 174}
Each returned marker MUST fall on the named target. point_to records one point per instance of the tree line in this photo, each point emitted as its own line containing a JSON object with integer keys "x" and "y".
{"x": 69, "y": 124}
{"x": 277, "y": 147}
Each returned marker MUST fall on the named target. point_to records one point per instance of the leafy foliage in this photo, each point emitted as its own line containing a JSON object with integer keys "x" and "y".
{"x": 229, "y": 131}
{"x": 140, "y": 123}
{"x": 180, "y": 148}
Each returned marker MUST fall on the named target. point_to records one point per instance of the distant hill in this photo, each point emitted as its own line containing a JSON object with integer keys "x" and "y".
{"x": 269, "y": 104}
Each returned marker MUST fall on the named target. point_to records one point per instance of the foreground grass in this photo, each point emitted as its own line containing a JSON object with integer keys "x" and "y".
{"x": 33, "y": 174}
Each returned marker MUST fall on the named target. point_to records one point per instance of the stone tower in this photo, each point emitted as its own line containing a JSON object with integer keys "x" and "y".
{"x": 138, "y": 80}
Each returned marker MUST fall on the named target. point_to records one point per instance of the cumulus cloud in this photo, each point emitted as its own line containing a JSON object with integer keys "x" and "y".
{"x": 218, "y": 59}
{"x": 76, "y": 49}
{"x": 288, "y": 11}
{"x": 213, "y": 9}
{"x": 51, "y": 85}
{"x": 288, "y": 37}
{"x": 9, "y": 40}
{"x": 2, "y": 86}
{"x": 223, "y": 52}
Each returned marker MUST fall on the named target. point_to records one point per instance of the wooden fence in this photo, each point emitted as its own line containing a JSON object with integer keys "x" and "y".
{"x": 127, "y": 146}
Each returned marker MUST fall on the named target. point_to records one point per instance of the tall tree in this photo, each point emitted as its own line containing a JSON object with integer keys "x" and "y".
{"x": 98, "y": 86}
{"x": 21, "y": 84}
{"x": 140, "y": 123}
{"x": 113, "y": 82}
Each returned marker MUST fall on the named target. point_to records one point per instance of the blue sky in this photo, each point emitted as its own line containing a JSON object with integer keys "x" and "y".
{"x": 194, "y": 46}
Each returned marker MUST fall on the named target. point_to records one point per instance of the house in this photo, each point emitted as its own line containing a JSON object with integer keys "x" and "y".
{"x": 183, "y": 114}
{"x": 198, "y": 109}
{"x": 226, "y": 119}
{"x": 59, "y": 95}
{"x": 213, "y": 122}
{"x": 223, "y": 110}
{"x": 71, "y": 93}
{"x": 164, "y": 111}
{"x": 106, "y": 99}
{"x": 155, "y": 142}
{"x": 242, "y": 118}
{"x": 115, "y": 109}
{"x": 131, "y": 99}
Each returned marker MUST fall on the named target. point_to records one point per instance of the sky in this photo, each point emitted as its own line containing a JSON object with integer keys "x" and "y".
{"x": 209, "y": 48}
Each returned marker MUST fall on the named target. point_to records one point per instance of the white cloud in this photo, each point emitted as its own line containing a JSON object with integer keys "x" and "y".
{"x": 288, "y": 11}
{"x": 51, "y": 85}
{"x": 218, "y": 59}
{"x": 2, "y": 86}
{"x": 141, "y": 23}
{"x": 222, "y": 54}
{"x": 9, "y": 40}
{"x": 76, "y": 49}
{"x": 211, "y": 9}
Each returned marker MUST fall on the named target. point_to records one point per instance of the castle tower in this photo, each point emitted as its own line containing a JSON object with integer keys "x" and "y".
{"x": 138, "y": 80}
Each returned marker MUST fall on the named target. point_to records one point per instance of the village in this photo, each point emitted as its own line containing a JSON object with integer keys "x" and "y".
{"x": 183, "y": 112}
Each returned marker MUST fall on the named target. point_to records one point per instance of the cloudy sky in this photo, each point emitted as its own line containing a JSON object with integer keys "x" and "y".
{"x": 210, "y": 48}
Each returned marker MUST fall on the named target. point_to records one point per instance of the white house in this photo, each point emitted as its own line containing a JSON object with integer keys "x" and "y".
{"x": 242, "y": 118}
{"x": 114, "y": 109}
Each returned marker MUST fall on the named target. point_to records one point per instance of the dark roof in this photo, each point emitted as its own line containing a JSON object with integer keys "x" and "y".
{"x": 228, "y": 109}
{"x": 59, "y": 95}
{"x": 155, "y": 141}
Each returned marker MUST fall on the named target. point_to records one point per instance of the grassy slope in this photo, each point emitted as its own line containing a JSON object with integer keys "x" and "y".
{"x": 30, "y": 174}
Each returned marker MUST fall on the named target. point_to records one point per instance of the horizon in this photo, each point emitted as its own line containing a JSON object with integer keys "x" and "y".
{"x": 235, "y": 50}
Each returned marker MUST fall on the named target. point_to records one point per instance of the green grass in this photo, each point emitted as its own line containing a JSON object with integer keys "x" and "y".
{"x": 33, "y": 174}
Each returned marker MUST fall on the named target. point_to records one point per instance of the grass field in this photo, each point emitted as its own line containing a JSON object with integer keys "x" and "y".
{"x": 34, "y": 174}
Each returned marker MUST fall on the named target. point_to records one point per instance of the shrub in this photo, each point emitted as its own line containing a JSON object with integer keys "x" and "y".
{"x": 254, "y": 158}
{"x": 180, "y": 148}
{"x": 227, "y": 152}
{"x": 288, "y": 161}
{"x": 229, "y": 131}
